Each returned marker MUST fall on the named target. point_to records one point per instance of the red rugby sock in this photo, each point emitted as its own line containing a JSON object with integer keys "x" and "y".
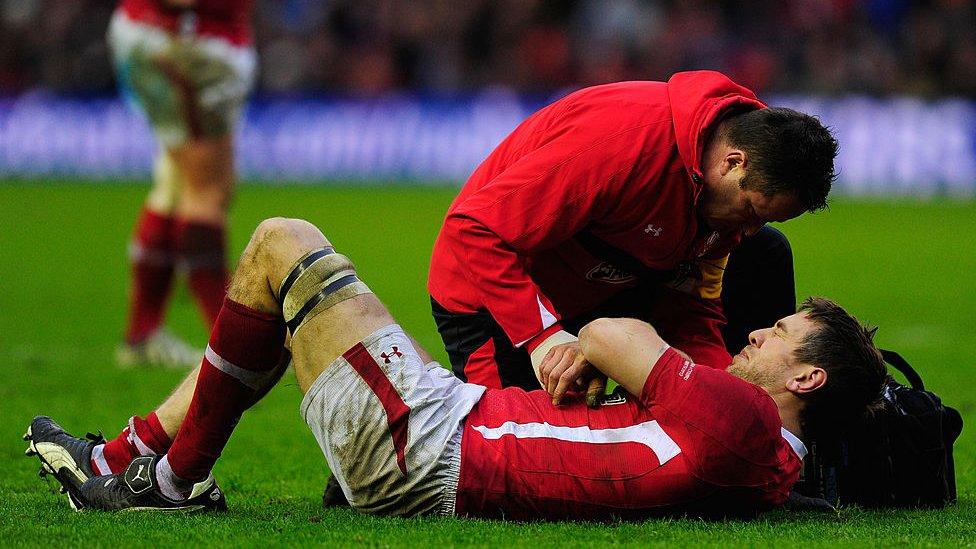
{"x": 152, "y": 259}
{"x": 202, "y": 249}
{"x": 245, "y": 346}
{"x": 141, "y": 437}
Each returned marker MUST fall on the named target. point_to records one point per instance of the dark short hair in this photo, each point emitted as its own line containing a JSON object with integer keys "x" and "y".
{"x": 788, "y": 152}
{"x": 856, "y": 372}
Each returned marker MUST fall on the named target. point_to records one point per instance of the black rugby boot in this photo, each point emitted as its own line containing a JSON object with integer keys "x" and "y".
{"x": 137, "y": 489}
{"x": 66, "y": 457}
{"x": 332, "y": 496}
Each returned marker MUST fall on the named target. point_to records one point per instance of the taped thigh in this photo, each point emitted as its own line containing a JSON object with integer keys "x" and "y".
{"x": 319, "y": 280}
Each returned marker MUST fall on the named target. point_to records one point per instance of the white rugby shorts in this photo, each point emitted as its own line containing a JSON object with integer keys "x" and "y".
{"x": 390, "y": 426}
{"x": 188, "y": 86}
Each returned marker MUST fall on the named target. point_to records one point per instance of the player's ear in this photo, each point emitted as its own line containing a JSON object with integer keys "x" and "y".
{"x": 733, "y": 158}
{"x": 807, "y": 379}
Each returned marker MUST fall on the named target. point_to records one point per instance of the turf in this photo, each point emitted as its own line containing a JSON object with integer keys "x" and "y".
{"x": 906, "y": 266}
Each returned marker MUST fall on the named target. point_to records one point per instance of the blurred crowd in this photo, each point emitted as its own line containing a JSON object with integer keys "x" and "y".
{"x": 878, "y": 47}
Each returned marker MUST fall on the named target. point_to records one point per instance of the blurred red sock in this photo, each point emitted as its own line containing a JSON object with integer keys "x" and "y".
{"x": 245, "y": 346}
{"x": 142, "y": 437}
{"x": 152, "y": 258}
{"x": 201, "y": 248}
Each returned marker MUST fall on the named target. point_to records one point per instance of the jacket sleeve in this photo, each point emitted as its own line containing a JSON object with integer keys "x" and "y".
{"x": 540, "y": 200}
{"x": 688, "y": 313}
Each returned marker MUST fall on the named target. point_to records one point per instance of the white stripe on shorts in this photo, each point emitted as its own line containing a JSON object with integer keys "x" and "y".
{"x": 648, "y": 433}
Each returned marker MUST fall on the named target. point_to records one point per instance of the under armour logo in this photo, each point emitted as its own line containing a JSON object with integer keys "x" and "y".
{"x": 396, "y": 353}
{"x": 651, "y": 229}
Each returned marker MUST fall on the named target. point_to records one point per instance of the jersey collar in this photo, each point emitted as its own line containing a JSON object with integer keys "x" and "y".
{"x": 795, "y": 443}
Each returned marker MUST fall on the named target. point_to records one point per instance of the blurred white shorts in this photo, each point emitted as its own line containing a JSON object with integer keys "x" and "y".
{"x": 188, "y": 86}
{"x": 390, "y": 426}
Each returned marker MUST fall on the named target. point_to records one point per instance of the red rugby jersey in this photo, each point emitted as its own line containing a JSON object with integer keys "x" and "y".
{"x": 697, "y": 439}
{"x": 226, "y": 19}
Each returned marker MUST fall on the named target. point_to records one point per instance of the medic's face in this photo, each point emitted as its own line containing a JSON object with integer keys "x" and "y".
{"x": 727, "y": 207}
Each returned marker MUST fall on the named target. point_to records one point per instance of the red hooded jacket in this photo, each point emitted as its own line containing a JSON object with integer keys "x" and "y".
{"x": 621, "y": 161}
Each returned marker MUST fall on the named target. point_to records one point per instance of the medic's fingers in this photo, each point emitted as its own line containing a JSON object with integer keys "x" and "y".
{"x": 547, "y": 363}
{"x": 569, "y": 377}
{"x": 552, "y": 358}
{"x": 566, "y": 357}
{"x": 545, "y": 366}
{"x": 553, "y": 366}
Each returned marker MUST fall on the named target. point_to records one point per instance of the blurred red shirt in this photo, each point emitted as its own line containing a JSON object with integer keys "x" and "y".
{"x": 226, "y": 19}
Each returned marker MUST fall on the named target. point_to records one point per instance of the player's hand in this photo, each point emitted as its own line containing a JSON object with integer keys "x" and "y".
{"x": 595, "y": 390}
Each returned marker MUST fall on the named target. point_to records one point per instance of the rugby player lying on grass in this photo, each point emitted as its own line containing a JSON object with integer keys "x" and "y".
{"x": 405, "y": 437}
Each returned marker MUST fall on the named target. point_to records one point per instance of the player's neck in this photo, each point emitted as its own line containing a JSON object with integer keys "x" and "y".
{"x": 789, "y": 412}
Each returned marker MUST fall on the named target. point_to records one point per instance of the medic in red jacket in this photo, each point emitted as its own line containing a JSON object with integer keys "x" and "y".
{"x": 594, "y": 195}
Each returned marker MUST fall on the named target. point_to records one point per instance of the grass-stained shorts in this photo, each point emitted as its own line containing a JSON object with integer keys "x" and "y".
{"x": 190, "y": 87}
{"x": 390, "y": 426}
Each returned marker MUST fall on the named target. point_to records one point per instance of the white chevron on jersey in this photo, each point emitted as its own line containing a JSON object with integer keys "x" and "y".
{"x": 648, "y": 433}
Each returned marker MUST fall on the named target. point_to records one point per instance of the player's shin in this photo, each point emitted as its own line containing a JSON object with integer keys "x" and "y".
{"x": 142, "y": 436}
{"x": 202, "y": 249}
{"x": 244, "y": 356}
{"x": 151, "y": 253}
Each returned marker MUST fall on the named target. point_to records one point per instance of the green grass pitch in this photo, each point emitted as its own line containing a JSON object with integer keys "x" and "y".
{"x": 908, "y": 267}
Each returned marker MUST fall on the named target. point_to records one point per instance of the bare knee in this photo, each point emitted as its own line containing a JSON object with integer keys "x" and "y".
{"x": 204, "y": 202}
{"x": 275, "y": 246}
{"x": 276, "y": 233}
{"x": 279, "y": 242}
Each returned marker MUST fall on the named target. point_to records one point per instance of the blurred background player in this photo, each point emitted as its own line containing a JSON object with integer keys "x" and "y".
{"x": 189, "y": 65}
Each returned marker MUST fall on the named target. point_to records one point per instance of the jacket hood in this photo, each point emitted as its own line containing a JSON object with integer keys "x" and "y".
{"x": 698, "y": 100}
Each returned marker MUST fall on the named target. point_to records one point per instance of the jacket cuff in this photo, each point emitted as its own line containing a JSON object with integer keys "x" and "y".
{"x": 537, "y": 339}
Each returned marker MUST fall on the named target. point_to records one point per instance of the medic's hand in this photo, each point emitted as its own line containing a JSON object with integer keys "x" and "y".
{"x": 565, "y": 368}
{"x": 541, "y": 352}
{"x": 556, "y": 360}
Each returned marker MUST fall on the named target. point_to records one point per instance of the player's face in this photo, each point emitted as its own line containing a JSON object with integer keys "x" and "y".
{"x": 768, "y": 361}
